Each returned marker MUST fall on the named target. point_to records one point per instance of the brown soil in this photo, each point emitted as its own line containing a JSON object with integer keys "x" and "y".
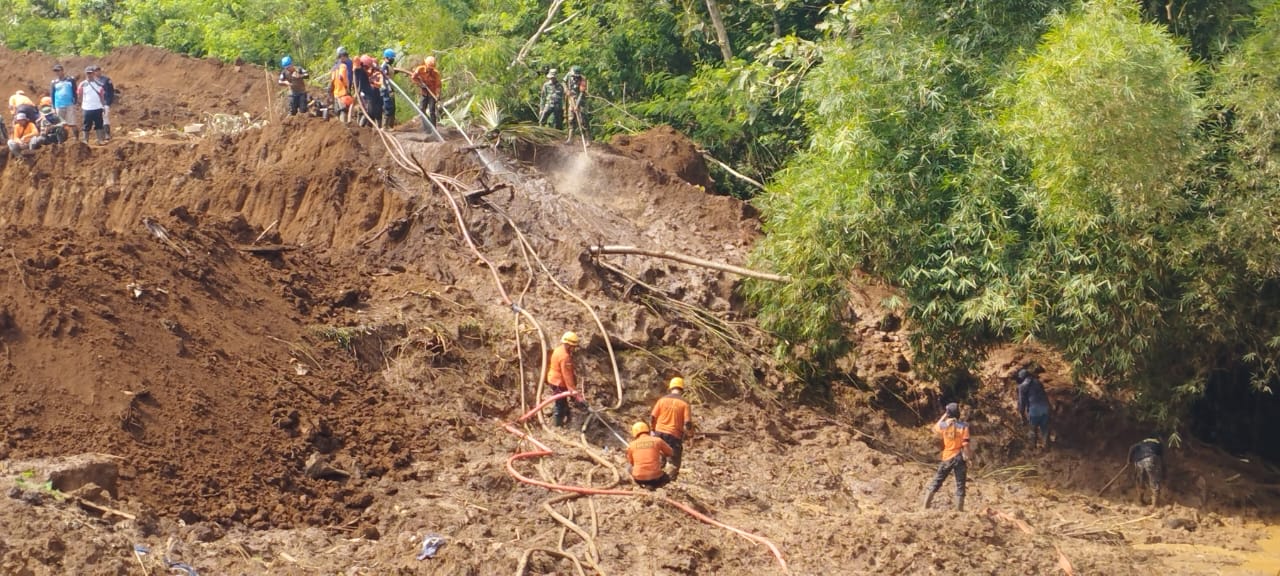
{"x": 280, "y": 356}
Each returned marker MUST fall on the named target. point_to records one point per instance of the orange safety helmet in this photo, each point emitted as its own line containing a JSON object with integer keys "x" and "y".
{"x": 639, "y": 429}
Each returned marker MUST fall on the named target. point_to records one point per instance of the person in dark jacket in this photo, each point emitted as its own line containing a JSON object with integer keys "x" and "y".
{"x": 1033, "y": 406}
{"x": 1147, "y": 458}
{"x": 108, "y": 100}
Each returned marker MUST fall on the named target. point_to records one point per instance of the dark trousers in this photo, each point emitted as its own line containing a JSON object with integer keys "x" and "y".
{"x": 428, "y": 106}
{"x": 372, "y": 107}
{"x": 297, "y": 103}
{"x": 1150, "y": 473}
{"x": 388, "y": 109}
{"x": 677, "y": 447}
{"x": 560, "y": 414}
{"x": 957, "y": 465}
{"x": 655, "y": 483}
{"x": 552, "y": 116}
{"x": 92, "y": 119}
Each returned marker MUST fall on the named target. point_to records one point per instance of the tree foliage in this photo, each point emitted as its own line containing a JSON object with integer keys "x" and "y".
{"x": 1053, "y": 171}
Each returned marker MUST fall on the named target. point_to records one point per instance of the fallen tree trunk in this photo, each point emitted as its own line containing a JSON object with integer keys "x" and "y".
{"x": 599, "y": 250}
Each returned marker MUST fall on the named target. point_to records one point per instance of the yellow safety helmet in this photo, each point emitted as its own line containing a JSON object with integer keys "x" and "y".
{"x": 675, "y": 383}
{"x": 639, "y": 429}
{"x": 570, "y": 338}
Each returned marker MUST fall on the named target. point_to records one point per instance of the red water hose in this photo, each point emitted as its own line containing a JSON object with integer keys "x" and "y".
{"x": 542, "y": 450}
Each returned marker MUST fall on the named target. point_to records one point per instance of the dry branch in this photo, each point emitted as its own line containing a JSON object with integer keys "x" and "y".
{"x": 598, "y": 250}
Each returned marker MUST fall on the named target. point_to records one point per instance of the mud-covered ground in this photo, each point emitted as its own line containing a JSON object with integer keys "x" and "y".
{"x": 273, "y": 352}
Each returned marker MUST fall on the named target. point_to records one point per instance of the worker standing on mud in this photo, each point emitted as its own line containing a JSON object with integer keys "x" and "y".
{"x": 340, "y": 82}
{"x": 368, "y": 87}
{"x": 671, "y": 420}
{"x": 427, "y": 78}
{"x": 646, "y": 457}
{"x": 561, "y": 377}
{"x": 90, "y": 94}
{"x": 388, "y": 68}
{"x": 63, "y": 92}
{"x": 295, "y": 77}
{"x": 551, "y": 106}
{"x": 955, "y": 452}
{"x": 575, "y": 87}
{"x": 1147, "y": 458}
{"x": 1033, "y": 406}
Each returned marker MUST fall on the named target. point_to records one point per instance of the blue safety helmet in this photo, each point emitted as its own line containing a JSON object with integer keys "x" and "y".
{"x": 389, "y": 53}
{"x": 286, "y": 62}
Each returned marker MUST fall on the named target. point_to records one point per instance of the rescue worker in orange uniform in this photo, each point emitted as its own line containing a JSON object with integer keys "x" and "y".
{"x": 955, "y": 453}
{"x": 340, "y": 81}
{"x": 646, "y": 457}
{"x": 671, "y": 420}
{"x": 560, "y": 376}
{"x": 26, "y": 136}
{"x": 427, "y": 78}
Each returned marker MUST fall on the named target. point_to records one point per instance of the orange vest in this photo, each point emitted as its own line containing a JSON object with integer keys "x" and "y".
{"x": 428, "y": 78}
{"x": 339, "y": 76}
{"x": 671, "y": 414}
{"x": 24, "y": 132}
{"x": 955, "y": 437}
{"x": 645, "y": 454}
{"x": 560, "y": 369}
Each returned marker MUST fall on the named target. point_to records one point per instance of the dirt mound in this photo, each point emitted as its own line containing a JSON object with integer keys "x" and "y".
{"x": 161, "y": 352}
{"x": 155, "y": 88}
{"x": 669, "y": 151}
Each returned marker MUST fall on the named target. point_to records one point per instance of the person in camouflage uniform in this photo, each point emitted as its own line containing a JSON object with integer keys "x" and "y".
{"x": 575, "y": 85}
{"x": 551, "y": 107}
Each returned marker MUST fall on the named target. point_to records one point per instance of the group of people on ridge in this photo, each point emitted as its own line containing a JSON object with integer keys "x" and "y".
{"x": 556, "y": 94}
{"x": 361, "y": 88}
{"x": 35, "y": 125}
{"x": 1146, "y": 457}
{"x": 656, "y": 449}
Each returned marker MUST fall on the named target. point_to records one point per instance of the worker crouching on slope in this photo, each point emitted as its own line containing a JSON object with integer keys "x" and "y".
{"x": 646, "y": 457}
{"x": 561, "y": 378}
{"x": 955, "y": 453}
{"x": 26, "y": 136}
{"x": 1147, "y": 458}
{"x": 671, "y": 420}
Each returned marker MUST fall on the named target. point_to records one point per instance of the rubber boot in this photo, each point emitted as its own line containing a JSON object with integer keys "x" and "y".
{"x": 101, "y": 133}
{"x": 84, "y": 137}
{"x": 107, "y": 130}
{"x": 928, "y": 498}
{"x": 960, "y": 504}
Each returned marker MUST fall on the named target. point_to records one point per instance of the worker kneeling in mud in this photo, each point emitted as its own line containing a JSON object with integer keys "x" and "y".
{"x": 1147, "y": 458}
{"x": 671, "y": 420}
{"x": 647, "y": 457}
